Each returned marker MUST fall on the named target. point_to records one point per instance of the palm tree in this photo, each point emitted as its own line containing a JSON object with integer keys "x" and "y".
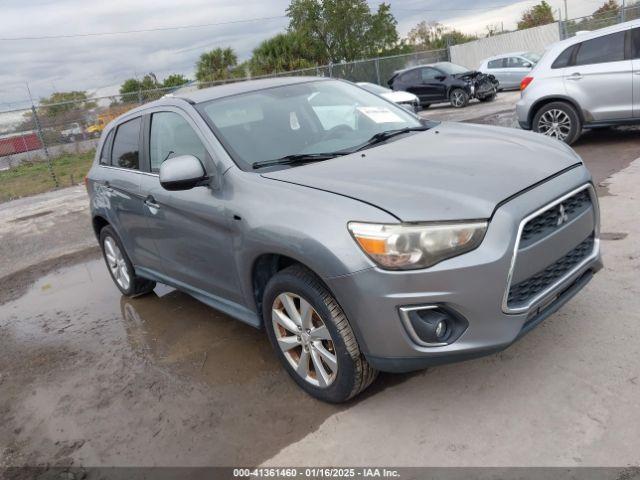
{"x": 216, "y": 65}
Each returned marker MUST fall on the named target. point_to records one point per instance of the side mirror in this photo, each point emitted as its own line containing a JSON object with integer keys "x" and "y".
{"x": 527, "y": 65}
{"x": 182, "y": 173}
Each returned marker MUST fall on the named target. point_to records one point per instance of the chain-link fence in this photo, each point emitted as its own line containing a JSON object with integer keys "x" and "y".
{"x": 51, "y": 145}
{"x": 569, "y": 28}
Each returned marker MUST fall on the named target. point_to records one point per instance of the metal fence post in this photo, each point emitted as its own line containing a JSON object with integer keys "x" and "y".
{"x": 330, "y": 70}
{"x": 44, "y": 145}
{"x": 140, "y": 97}
{"x": 377, "y": 64}
{"x": 623, "y": 11}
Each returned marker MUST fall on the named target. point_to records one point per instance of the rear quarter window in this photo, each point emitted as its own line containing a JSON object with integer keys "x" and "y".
{"x": 125, "y": 152}
{"x": 105, "y": 154}
{"x": 564, "y": 59}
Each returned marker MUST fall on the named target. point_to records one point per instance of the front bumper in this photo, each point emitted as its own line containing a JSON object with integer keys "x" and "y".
{"x": 472, "y": 285}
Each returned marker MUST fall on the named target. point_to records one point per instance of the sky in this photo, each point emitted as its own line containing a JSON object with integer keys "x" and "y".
{"x": 99, "y": 63}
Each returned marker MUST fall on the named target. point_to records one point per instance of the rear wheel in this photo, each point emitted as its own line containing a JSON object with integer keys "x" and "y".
{"x": 458, "y": 98}
{"x": 313, "y": 338}
{"x": 558, "y": 120}
{"x": 120, "y": 267}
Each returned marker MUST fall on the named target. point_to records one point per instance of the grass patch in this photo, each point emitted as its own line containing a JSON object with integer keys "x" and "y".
{"x": 31, "y": 178}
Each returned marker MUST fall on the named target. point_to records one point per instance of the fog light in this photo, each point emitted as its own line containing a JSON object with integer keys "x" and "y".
{"x": 441, "y": 329}
{"x": 432, "y": 325}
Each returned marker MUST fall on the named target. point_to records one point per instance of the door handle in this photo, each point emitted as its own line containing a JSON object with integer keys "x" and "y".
{"x": 151, "y": 202}
{"x": 575, "y": 76}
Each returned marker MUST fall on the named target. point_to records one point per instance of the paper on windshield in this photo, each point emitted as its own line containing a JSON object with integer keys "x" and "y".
{"x": 380, "y": 114}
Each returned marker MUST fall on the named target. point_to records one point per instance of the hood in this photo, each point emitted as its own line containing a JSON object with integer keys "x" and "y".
{"x": 400, "y": 96}
{"x": 451, "y": 172}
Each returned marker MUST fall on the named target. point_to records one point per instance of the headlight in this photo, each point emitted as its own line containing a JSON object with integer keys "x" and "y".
{"x": 414, "y": 246}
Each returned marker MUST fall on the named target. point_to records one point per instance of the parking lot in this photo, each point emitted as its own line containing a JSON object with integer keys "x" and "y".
{"x": 90, "y": 377}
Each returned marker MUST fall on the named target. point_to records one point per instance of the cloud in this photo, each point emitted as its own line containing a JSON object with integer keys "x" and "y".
{"x": 100, "y": 64}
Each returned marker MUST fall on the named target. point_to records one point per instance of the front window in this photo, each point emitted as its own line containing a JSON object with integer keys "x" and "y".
{"x": 301, "y": 119}
{"x": 172, "y": 136}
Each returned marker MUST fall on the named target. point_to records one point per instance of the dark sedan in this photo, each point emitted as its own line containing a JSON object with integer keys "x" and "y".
{"x": 445, "y": 81}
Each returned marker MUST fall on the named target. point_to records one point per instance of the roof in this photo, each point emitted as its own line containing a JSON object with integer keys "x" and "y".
{"x": 229, "y": 89}
{"x": 419, "y": 66}
{"x": 620, "y": 27}
{"x": 508, "y": 54}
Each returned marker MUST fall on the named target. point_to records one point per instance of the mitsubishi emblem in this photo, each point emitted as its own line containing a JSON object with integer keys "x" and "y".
{"x": 562, "y": 216}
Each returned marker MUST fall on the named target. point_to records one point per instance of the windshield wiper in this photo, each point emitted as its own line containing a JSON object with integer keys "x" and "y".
{"x": 298, "y": 158}
{"x": 383, "y": 136}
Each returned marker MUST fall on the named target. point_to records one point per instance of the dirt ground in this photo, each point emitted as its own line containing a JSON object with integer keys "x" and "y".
{"x": 88, "y": 377}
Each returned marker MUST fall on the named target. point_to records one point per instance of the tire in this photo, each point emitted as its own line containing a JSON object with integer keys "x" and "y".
{"x": 458, "y": 98}
{"x": 490, "y": 98}
{"x": 352, "y": 375}
{"x": 565, "y": 115}
{"x": 112, "y": 248}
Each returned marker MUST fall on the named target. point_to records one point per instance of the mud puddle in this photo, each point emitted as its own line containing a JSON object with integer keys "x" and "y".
{"x": 89, "y": 377}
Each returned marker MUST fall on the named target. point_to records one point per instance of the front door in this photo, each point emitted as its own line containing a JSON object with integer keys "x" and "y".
{"x": 433, "y": 82}
{"x": 601, "y": 79}
{"x": 190, "y": 228}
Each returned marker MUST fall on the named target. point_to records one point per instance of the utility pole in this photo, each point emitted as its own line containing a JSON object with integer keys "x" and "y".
{"x": 36, "y": 120}
{"x": 566, "y": 10}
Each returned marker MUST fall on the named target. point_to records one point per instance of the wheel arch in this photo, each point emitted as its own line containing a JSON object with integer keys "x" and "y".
{"x": 540, "y": 103}
{"x": 264, "y": 267}
{"x": 98, "y": 222}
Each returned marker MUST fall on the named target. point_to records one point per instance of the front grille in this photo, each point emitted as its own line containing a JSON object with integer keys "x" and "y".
{"x": 553, "y": 219}
{"x": 521, "y": 293}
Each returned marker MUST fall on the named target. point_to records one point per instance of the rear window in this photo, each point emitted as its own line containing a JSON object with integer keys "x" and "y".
{"x": 609, "y": 48}
{"x": 499, "y": 63}
{"x": 564, "y": 59}
{"x": 125, "y": 152}
{"x": 635, "y": 42}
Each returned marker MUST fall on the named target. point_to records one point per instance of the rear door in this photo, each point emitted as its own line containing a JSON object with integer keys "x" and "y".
{"x": 600, "y": 78}
{"x": 635, "y": 53}
{"x": 122, "y": 185}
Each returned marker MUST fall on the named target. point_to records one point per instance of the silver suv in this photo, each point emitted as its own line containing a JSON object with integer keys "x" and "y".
{"x": 360, "y": 237}
{"x": 588, "y": 81}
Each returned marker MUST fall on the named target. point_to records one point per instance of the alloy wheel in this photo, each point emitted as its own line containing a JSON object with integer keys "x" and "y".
{"x": 457, "y": 98}
{"x": 555, "y": 123}
{"x": 304, "y": 339}
{"x": 117, "y": 264}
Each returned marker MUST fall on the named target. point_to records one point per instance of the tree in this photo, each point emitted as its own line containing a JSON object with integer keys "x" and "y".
{"x": 343, "y": 30}
{"x": 216, "y": 65}
{"x": 133, "y": 90}
{"x": 175, "y": 80}
{"x": 608, "y": 8}
{"x": 283, "y": 52}
{"x": 60, "y": 103}
{"x": 435, "y": 36}
{"x": 541, "y": 14}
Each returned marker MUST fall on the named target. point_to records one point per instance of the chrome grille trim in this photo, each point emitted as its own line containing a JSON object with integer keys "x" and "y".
{"x": 561, "y": 280}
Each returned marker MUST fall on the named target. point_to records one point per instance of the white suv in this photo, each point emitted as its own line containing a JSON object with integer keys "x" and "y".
{"x": 588, "y": 81}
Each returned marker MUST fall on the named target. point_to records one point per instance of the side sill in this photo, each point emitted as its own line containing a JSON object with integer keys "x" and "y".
{"x": 232, "y": 309}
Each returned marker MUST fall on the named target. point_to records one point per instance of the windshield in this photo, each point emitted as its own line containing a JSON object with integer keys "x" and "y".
{"x": 451, "y": 68}
{"x": 306, "y": 118}
{"x": 532, "y": 57}
{"x": 373, "y": 88}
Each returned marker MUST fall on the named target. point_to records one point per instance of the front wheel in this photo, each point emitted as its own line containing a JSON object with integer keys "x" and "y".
{"x": 313, "y": 338}
{"x": 458, "y": 98}
{"x": 558, "y": 120}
